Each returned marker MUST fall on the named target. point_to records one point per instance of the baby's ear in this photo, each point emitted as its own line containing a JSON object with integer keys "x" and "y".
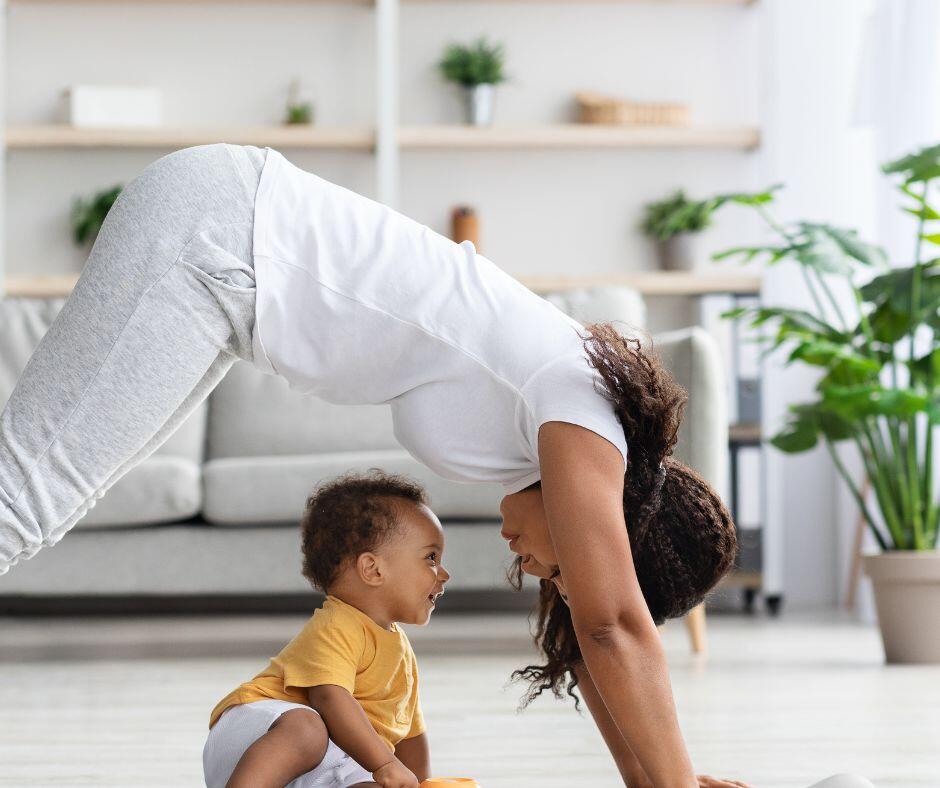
{"x": 369, "y": 569}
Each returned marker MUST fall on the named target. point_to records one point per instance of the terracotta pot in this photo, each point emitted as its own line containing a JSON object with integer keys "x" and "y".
{"x": 907, "y": 597}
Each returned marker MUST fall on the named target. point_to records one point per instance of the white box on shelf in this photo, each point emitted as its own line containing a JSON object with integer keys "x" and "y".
{"x": 113, "y": 106}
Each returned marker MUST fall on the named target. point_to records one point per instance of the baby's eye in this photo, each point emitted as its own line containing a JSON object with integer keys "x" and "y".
{"x": 432, "y": 556}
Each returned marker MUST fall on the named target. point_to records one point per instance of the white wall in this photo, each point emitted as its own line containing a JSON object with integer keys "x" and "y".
{"x": 782, "y": 63}
{"x": 230, "y": 64}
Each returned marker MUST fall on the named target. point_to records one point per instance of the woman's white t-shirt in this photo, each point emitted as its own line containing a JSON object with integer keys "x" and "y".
{"x": 357, "y": 303}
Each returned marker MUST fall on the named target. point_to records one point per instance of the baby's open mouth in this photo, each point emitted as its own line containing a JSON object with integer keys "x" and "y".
{"x": 432, "y": 598}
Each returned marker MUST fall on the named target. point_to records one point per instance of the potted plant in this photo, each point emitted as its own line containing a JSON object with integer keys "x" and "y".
{"x": 478, "y": 69}
{"x": 299, "y": 109}
{"x": 879, "y": 390}
{"x": 88, "y": 215}
{"x": 673, "y": 224}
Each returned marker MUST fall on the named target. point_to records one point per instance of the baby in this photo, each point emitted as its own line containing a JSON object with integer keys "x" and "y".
{"x": 338, "y": 707}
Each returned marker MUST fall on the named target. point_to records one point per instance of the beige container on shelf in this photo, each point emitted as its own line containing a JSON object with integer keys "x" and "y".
{"x": 601, "y": 109}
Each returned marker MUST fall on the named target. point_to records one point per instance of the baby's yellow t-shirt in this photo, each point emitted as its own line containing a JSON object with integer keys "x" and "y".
{"x": 342, "y": 645}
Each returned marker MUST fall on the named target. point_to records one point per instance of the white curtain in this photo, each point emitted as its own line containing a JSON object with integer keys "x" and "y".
{"x": 897, "y": 101}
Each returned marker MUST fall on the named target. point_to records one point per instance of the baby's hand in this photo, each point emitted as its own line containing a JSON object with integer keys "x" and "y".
{"x": 395, "y": 774}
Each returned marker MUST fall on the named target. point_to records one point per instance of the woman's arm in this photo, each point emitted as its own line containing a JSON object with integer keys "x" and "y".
{"x": 630, "y": 769}
{"x": 582, "y": 490}
{"x": 416, "y": 755}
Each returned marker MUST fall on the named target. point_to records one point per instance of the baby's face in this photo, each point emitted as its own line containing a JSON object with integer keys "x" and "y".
{"x": 414, "y": 557}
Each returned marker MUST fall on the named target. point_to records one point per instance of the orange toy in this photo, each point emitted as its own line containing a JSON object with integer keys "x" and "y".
{"x": 450, "y": 782}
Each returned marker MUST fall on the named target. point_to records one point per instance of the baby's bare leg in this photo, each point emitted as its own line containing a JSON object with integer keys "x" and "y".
{"x": 294, "y": 745}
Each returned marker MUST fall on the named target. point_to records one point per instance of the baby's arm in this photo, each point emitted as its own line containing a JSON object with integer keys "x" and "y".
{"x": 416, "y": 755}
{"x": 349, "y": 727}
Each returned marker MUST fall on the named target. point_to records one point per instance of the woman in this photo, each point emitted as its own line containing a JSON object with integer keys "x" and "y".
{"x": 221, "y": 252}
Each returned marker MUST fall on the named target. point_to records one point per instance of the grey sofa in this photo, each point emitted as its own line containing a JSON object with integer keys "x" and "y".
{"x": 210, "y": 518}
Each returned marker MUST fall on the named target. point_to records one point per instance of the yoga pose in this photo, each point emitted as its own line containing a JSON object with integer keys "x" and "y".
{"x": 221, "y": 252}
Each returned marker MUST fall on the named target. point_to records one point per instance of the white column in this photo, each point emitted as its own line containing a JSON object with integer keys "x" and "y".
{"x": 3, "y": 148}
{"x": 386, "y": 116}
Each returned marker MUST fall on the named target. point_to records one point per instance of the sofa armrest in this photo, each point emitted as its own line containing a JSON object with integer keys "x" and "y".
{"x": 693, "y": 357}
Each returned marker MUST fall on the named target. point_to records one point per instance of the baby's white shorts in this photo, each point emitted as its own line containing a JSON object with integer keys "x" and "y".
{"x": 240, "y": 726}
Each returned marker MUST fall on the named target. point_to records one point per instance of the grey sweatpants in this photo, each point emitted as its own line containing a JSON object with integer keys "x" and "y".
{"x": 164, "y": 306}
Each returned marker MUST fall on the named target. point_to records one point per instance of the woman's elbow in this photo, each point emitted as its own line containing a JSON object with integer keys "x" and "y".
{"x": 626, "y": 629}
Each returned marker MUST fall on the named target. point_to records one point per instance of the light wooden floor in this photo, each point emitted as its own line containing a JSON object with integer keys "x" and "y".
{"x": 779, "y": 703}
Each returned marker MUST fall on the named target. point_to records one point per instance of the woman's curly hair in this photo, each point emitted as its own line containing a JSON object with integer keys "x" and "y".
{"x": 682, "y": 537}
{"x": 348, "y": 516}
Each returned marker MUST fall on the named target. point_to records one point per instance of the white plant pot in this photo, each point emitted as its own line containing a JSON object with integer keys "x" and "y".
{"x": 480, "y": 104}
{"x": 907, "y": 598}
{"x": 679, "y": 253}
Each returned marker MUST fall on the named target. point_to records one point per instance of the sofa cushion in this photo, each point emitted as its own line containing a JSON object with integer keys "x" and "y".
{"x": 287, "y": 443}
{"x": 162, "y": 489}
{"x": 171, "y": 560}
{"x": 252, "y": 414}
{"x": 253, "y": 490}
{"x": 601, "y": 304}
{"x": 165, "y": 486}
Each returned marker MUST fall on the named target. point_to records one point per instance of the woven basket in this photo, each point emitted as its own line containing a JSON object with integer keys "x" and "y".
{"x": 597, "y": 108}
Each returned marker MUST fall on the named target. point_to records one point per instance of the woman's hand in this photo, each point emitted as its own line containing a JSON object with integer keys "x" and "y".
{"x": 704, "y": 781}
{"x": 395, "y": 774}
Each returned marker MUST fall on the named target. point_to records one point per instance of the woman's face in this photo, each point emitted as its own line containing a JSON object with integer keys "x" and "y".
{"x": 525, "y": 526}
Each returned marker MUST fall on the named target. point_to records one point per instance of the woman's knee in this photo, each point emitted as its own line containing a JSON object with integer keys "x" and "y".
{"x": 306, "y": 731}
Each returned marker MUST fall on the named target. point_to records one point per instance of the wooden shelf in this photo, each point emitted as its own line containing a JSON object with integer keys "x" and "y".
{"x": 65, "y": 136}
{"x": 672, "y": 283}
{"x": 574, "y": 135}
{"x": 745, "y": 433}
{"x": 741, "y": 579}
{"x": 372, "y": 2}
{"x": 41, "y": 286}
{"x": 652, "y": 283}
{"x": 601, "y": 2}
{"x": 201, "y": 2}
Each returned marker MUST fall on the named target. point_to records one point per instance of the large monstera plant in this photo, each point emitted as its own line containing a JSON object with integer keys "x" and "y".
{"x": 879, "y": 359}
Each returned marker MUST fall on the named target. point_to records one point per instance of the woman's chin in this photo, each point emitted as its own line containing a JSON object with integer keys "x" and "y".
{"x": 532, "y": 567}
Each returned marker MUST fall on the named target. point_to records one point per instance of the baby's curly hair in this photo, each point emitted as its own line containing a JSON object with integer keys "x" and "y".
{"x": 348, "y": 516}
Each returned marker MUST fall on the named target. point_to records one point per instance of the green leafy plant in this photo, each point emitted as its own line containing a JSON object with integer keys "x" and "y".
{"x": 677, "y": 214}
{"x": 299, "y": 114}
{"x": 879, "y": 388}
{"x": 299, "y": 109}
{"x": 480, "y": 63}
{"x": 88, "y": 214}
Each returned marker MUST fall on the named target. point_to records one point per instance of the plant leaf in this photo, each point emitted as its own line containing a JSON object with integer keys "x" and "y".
{"x": 851, "y": 245}
{"x": 800, "y": 434}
